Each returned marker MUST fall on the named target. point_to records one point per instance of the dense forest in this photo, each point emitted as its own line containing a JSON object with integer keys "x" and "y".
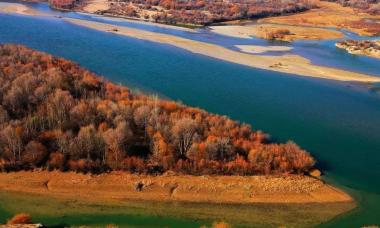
{"x": 56, "y": 115}
{"x": 196, "y": 12}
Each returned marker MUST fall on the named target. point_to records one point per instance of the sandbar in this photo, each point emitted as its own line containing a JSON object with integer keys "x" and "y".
{"x": 292, "y": 64}
{"x": 262, "y": 30}
{"x": 17, "y": 8}
{"x": 94, "y": 6}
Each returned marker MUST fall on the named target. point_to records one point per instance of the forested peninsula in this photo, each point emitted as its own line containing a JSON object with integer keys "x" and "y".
{"x": 56, "y": 115}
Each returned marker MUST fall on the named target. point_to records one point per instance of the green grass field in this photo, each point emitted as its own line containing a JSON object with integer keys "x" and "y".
{"x": 56, "y": 212}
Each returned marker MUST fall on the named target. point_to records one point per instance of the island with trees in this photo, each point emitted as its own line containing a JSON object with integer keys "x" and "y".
{"x": 70, "y": 134}
{"x": 369, "y": 48}
{"x": 57, "y": 115}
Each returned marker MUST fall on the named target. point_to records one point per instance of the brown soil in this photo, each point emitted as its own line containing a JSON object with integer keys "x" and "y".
{"x": 215, "y": 189}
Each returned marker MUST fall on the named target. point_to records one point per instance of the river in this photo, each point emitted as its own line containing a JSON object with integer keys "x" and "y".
{"x": 339, "y": 123}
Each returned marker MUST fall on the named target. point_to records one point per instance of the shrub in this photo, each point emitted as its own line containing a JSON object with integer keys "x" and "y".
{"x": 21, "y": 218}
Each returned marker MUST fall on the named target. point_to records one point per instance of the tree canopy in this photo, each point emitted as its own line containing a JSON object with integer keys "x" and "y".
{"x": 56, "y": 115}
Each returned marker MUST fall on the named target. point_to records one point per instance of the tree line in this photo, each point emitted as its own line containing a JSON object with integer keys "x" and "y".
{"x": 196, "y": 12}
{"x": 54, "y": 114}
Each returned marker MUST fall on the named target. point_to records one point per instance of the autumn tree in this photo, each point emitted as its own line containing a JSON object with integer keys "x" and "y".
{"x": 56, "y": 115}
{"x": 35, "y": 153}
{"x": 56, "y": 161}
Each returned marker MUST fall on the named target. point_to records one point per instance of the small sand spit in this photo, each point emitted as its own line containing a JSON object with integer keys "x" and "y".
{"x": 217, "y": 189}
{"x": 17, "y": 8}
{"x": 94, "y": 6}
{"x": 262, "y": 30}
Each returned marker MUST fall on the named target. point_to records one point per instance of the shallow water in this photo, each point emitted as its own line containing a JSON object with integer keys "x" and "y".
{"x": 337, "y": 122}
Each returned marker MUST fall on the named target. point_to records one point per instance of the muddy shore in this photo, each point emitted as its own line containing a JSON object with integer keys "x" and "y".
{"x": 184, "y": 188}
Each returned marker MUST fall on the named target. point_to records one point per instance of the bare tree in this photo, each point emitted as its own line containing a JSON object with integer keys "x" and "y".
{"x": 184, "y": 132}
{"x": 58, "y": 107}
{"x": 89, "y": 143}
{"x": 4, "y": 117}
{"x": 219, "y": 149}
{"x": 141, "y": 117}
{"x": 117, "y": 139}
{"x": 12, "y": 139}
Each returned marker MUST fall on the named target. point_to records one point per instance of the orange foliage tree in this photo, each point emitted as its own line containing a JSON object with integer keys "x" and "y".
{"x": 68, "y": 118}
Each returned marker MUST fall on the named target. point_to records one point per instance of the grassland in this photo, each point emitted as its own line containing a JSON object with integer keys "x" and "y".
{"x": 60, "y": 212}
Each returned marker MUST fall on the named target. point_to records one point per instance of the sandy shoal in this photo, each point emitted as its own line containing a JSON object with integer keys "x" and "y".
{"x": 213, "y": 189}
{"x": 262, "y": 30}
{"x": 93, "y": 6}
{"x": 18, "y": 9}
{"x": 287, "y": 63}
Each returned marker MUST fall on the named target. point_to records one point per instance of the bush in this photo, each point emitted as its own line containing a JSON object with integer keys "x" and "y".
{"x": 21, "y": 218}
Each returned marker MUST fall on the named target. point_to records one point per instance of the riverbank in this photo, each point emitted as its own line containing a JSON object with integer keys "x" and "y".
{"x": 183, "y": 188}
{"x": 170, "y": 200}
{"x": 111, "y": 17}
{"x": 68, "y": 212}
{"x": 292, "y": 64}
{"x": 277, "y": 32}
